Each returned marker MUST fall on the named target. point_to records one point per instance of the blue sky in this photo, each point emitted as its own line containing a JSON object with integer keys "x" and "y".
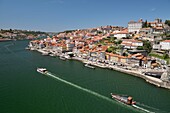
{"x": 60, "y": 15}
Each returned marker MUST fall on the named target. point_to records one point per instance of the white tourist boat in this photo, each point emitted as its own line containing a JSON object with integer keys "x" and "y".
{"x": 42, "y": 70}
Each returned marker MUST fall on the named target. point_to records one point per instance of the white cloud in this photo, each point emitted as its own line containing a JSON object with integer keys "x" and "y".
{"x": 153, "y": 9}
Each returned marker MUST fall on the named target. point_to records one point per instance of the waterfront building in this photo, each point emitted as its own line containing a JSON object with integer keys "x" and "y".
{"x": 122, "y": 59}
{"x": 116, "y": 58}
{"x": 137, "y": 60}
{"x": 70, "y": 46}
{"x": 102, "y": 55}
{"x": 93, "y": 54}
{"x": 34, "y": 43}
{"x": 134, "y": 26}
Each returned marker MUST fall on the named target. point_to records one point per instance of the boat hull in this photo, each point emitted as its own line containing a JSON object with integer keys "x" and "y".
{"x": 123, "y": 99}
{"x": 89, "y": 66}
{"x": 42, "y": 70}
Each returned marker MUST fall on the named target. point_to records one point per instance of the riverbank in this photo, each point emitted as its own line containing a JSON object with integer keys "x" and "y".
{"x": 131, "y": 71}
{"x": 152, "y": 80}
{"x": 5, "y": 39}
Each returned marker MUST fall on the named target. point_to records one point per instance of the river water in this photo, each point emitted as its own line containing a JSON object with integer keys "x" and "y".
{"x": 72, "y": 88}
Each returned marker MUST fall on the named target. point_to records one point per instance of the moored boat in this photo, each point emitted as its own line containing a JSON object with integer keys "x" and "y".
{"x": 124, "y": 99}
{"x": 67, "y": 57}
{"x": 45, "y": 53}
{"x": 27, "y": 48}
{"x": 42, "y": 70}
{"x": 88, "y": 65}
{"x": 62, "y": 58}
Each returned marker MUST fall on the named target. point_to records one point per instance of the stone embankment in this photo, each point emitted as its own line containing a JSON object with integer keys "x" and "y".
{"x": 135, "y": 72}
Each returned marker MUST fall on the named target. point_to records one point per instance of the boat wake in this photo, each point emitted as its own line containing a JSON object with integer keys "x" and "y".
{"x": 147, "y": 108}
{"x": 78, "y": 87}
{"x": 97, "y": 94}
{"x": 140, "y": 108}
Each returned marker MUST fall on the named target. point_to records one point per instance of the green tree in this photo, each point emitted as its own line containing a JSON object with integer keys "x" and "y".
{"x": 112, "y": 39}
{"x": 139, "y": 48}
{"x": 167, "y": 22}
{"x": 149, "y": 25}
{"x": 165, "y": 56}
{"x": 118, "y": 42}
{"x": 145, "y": 24}
{"x": 111, "y": 49}
{"x": 147, "y": 46}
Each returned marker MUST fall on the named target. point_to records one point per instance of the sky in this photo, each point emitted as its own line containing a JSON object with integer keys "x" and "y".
{"x": 60, "y": 15}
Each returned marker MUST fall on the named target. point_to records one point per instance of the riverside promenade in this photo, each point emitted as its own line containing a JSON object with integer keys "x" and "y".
{"x": 135, "y": 71}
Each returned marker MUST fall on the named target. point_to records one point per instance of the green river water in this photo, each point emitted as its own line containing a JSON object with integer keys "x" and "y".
{"x": 73, "y": 89}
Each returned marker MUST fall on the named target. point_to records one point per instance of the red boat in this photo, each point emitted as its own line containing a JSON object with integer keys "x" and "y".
{"x": 124, "y": 99}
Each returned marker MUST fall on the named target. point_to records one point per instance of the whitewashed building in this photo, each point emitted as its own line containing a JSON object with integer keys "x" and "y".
{"x": 121, "y": 34}
{"x": 134, "y": 26}
{"x": 165, "y": 45}
{"x": 131, "y": 44}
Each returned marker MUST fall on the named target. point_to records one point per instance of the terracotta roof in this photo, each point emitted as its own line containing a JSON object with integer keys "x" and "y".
{"x": 144, "y": 59}
{"x": 166, "y": 41}
{"x": 130, "y": 40}
{"x": 135, "y": 55}
{"x": 130, "y": 55}
{"x": 151, "y": 22}
{"x": 104, "y": 48}
{"x": 160, "y": 28}
{"x": 154, "y": 64}
{"x": 140, "y": 57}
{"x": 122, "y": 56}
{"x": 127, "y": 44}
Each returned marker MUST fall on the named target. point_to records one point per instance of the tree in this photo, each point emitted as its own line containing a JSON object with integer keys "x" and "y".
{"x": 112, "y": 39}
{"x": 145, "y": 24}
{"x": 167, "y": 22}
{"x": 139, "y": 48}
{"x": 118, "y": 42}
{"x": 147, "y": 46}
{"x": 149, "y": 25}
{"x": 111, "y": 49}
{"x": 165, "y": 56}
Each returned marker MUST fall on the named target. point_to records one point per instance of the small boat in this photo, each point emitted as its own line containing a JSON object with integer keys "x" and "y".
{"x": 124, "y": 99}
{"x": 45, "y": 53}
{"x": 42, "y": 70}
{"x": 51, "y": 54}
{"x": 62, "y": 58}
{"x": 32, "y": 48}
{"x": 27, "y": 48}
{"x": 88, "y": 65}
{"x": 67, "y": 57}
{"x": 153, "y": 74}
